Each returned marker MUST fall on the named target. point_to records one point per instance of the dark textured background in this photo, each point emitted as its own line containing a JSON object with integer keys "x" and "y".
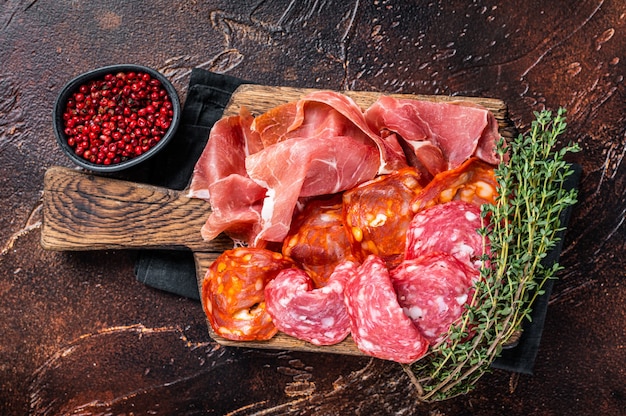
{"x": 78, "y": 333}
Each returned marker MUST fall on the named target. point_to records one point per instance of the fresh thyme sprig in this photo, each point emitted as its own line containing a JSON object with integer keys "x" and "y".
{"x": 520, "y": 230}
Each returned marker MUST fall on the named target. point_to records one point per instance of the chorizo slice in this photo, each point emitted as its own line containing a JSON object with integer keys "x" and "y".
{"x": 451, "y": 228}
{"x": 317, "y": 316}
{"x": 378, "y": 325}
{"x": 474, "y": 181}
{"x": 377, "y": 215}
{"x": 233, "y": 293}
{"x": 317, "y": 240}
{"x": 433, "y": 290}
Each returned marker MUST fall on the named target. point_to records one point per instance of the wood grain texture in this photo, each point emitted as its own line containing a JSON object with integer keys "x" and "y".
{"x": 88, "y": 212}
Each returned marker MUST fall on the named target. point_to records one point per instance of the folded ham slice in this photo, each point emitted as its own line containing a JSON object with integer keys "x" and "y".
{"x": 220, "y": 170}
{"x": 303, "y": 167}
{"x": 459, "y": 130}
{"x": 327, "y": 114}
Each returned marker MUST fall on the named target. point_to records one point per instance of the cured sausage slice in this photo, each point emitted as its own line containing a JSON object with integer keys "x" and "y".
{"x": 473, "y": 181}
{"x": 433, "y": 290}
{"x": 377, "y": 215}
{"x": 379, "y": 326}
{"x": 318, "y": 316}
{"x": 233, "y": 293}
{"x": 317, "y": 240}
{"x": 449, "y": 228}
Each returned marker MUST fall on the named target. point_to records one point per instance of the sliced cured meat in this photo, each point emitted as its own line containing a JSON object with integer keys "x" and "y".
{"x": 459, "y": 130}
{"x": 327, "y": 114}
{"x": 230, "y": 141}
{"x": 423, "y": 156}
{"x": 451, "y": 228}
{"x": 236, "y": 213}
{"x": 433, "y": 290}
{"x": 317, "y": 240}
{"x": 377, "y": 215}
{"x": 274, "y": 125}
{"x": 317, "y": 316}
{"x": 391, "y": 153}
{"x": 233, "y": 293}
{"x": 219, "y": 170}
{"x": 378, "y": 325}
{"x": 305, "y": 118}
{"x": 303, "y": 167}
{"x": 473, "y": 181}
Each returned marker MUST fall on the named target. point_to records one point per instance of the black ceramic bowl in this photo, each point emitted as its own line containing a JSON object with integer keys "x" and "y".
{"x": 125, "y": 161}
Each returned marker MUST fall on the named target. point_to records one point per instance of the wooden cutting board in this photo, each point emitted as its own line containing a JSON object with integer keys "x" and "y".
{"x": 83, "y": 211}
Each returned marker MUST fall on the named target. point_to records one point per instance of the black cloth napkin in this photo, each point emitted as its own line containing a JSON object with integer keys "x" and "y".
{"x": 174, "y": 271}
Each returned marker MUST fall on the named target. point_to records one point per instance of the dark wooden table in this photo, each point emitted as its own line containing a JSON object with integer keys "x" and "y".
{"x": 78, "y": 333}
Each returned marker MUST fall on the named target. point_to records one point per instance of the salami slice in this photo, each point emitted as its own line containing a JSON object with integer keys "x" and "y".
{"x": 433, "y": 290}
{"x": 318, "y": 316}
{"x": 317, "y": 240}
{"x": 377, "y": 215}
{"x": 379, "y": 326}
{"x": 449, "y": 228}
{"x": 233, "y": 293}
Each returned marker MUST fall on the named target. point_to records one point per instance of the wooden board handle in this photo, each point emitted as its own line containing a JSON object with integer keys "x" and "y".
{"x": 82, "y": 211}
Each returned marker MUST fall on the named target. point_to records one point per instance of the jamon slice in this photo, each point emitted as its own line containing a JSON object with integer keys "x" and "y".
{"x": 303, "y": 167}
{"x": 237, "y": 212}
{"x": 378, "y": 325}
{"x": 327, "y": 114}
{"x": 304, "y": 118}
{"x": 433, "y": 290}
{"x": 231, "y": 140}
{"x": 391, "y": 153}
{"x": 220, "y": 170}
{"x": 459, "y": 130}
{"x": 317, "y": 316}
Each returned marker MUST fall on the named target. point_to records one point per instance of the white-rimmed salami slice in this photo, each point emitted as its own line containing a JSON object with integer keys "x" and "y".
{"x": 379, "y": 326}
{"x": 433, "y": 290}
{"x": 318, "y": 316}
{"x": 450, "y": 228}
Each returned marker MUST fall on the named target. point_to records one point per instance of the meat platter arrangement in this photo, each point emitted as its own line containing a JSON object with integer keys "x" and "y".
{"x": 352, "y": 223}
{"x": 322, "y": 200}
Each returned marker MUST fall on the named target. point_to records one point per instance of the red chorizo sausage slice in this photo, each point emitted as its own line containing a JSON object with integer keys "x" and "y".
{"x": 318, "y": 316}
{"x": 233, "y": 293}
{"x": 377, "y": 215}
{"x": 378, "y": 325}
{"x": 317, "y": 240}
{"x": 473, "y": 181}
